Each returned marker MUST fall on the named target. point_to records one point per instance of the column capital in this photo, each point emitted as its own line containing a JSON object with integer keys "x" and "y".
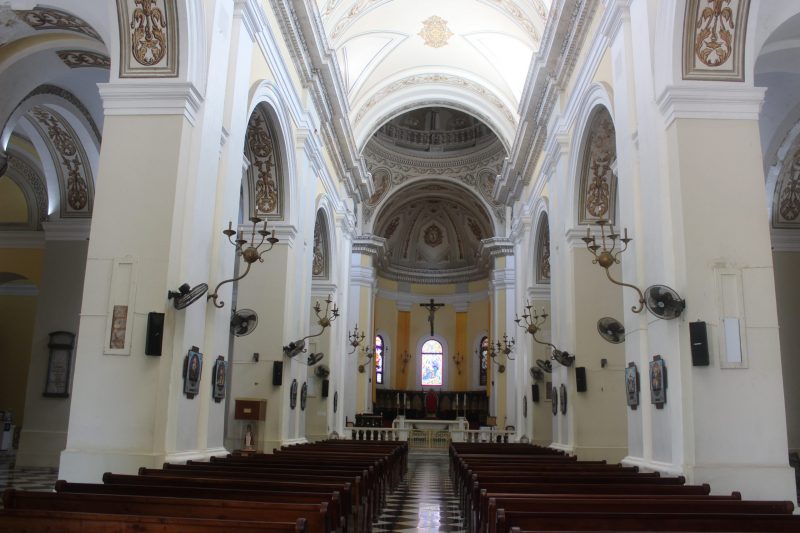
{"x": 151, "y": 98}
{"x": 369, "y": 245}
{"x": 710, "y": 100}
{"x": 67, "y": 230}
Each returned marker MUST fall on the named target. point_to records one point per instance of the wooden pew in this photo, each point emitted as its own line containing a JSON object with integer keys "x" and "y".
{"x": 332, "y": 500}
{"x": 316, "y": 515}
{"x": 35, "y": 521}
{"x": 709, "y": 522}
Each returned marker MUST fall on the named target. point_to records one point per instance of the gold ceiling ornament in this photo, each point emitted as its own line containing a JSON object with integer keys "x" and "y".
{"x": 605, "y": 256}
{"x": 148, "y": 33}
{"x": 248, "y": 250}
{"x": 435, "y": 32}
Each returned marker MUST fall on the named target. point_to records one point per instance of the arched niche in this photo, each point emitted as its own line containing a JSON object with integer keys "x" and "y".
{"x": 597, "y": 178}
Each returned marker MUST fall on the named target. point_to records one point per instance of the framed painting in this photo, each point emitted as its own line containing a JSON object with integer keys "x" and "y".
{"x": 658, "y": 382}
{"x": 219, "y": 379}
{"x": 192, "y": 372}
{"x": 632, "y": 385}
{"x": 562, "y": 399}
{"x": 554, "y": 399}
{"x": 293, "y": 394}
{"x": 303, "y": 396}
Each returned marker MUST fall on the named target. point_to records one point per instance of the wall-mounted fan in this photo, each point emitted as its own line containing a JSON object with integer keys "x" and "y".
{"x": 186, "y": 295}
{"x": 314, "y": 358}
{"x": 294, "y": 348}
{"x": 611, "y": 330}
{"x": 322, "y": 371}
{"x": 537, "y": 374}
{"x": 243, "y": 322}
{"x": 563, "y": 358}
{"x": 546, "y": 366}
{"x": 663, "y": 302}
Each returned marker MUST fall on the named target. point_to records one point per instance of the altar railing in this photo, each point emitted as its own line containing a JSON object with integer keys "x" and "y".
{"x": 430, "y": 438}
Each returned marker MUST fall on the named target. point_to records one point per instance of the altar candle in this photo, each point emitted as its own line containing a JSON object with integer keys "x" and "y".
{"x": 398, "y": 399}
{"x": 456, "y": 401}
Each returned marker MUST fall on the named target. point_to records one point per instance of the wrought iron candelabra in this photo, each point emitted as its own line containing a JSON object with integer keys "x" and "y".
{"x": 355, "y": 339}
{"x": 324, "y": 320}
{"x": 458, "y": 359}
{"x": 405, "y": 358}
{"x": 369, "y": 353}
{"x": 247, "y": 249}
{"x": 606, "y": 254}
{"x": 531, "y": 322}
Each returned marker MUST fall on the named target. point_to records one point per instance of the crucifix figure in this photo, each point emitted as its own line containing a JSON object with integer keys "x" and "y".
{"x": 432, "y": 308}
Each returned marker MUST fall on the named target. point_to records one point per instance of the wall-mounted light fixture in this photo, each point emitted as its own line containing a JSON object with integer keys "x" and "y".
{"x": 248, "y": 250}
{"x": 531, "y": 322}
{"x": 458, "y": 359}
{"x": 323, "y": 320}
{"x": 605, "y": 254}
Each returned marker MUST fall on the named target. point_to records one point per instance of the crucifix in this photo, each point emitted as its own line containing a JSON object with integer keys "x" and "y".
{"x": 432, "y": 308}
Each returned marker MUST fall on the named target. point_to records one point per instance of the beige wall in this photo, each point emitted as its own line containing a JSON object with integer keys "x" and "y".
{"x": 445, "y": 327}
{"x": 787, "y": 288}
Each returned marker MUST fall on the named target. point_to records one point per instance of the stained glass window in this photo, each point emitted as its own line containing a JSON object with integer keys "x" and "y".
{"x": 378, "y": 359}
{"x": 432, "y": 364}
{"x": 482, "y": 356}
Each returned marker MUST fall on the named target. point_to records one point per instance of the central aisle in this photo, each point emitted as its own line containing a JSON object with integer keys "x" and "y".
{"x": 424, "y": 501}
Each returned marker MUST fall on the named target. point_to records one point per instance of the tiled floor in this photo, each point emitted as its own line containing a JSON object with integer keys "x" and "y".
{"x": 25, "y": 478}
{"x": 424, "y": 501}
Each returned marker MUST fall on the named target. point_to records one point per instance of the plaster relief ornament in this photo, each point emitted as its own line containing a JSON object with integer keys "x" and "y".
{"x": 435, "y": 32}
{"x": 789, "y": 198}
{"x": 715, "y": 25}
{"x": 149, "y": 33}
{"x": 433, "y": 235}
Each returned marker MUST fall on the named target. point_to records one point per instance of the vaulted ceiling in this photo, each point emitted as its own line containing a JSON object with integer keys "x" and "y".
{"x": 397, "y": 54}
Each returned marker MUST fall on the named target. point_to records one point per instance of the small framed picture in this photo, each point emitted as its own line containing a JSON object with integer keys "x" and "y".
{"x": 219, "y": 379}
{"x": 59, "y": 364}
{"x": 303, "y": 396}
{"x": 192, "y": 372}
{"x": 658, "y": 382}
{"x": 632, "y": 385}
{"x": 293, "y": 394}
{"x": 563, "y": 399}
{"x": 554, "y": 399}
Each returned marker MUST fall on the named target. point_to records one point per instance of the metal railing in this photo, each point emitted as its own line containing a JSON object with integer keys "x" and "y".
{"x": 430, "y": 438}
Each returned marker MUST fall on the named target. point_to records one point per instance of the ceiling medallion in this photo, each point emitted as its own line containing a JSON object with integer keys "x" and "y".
{"x": 435, "y": 32}
{"x": 433, "y": 235}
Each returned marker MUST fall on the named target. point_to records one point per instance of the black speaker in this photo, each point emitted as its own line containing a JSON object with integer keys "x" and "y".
{"x": 277, "y": 373}
{"x": 698, "y": 337}
{"x": 535, "y": 392}
{"x": 325, "y": 384}
{"x": 580, "y": 378}
{"x": 155, "y": 332}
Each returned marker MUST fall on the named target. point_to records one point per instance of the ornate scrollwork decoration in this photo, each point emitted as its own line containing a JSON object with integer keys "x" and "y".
{"x": 149, "y": 33}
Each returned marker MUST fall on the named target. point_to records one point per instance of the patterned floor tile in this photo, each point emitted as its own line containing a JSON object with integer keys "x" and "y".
{"x": 424, "y": 501}
{"x": 25, "y": 478}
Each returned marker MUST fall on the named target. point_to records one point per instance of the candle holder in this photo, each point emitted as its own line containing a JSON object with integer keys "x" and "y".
{"x": 355, "y": 339}
{"x": 405, "y": 358}
{"x": 247, "y": 249}
{"x": 531, "y": 322}
{"x": 324, "y": 320}
{"x": 458, "y": 359}
{"x": 368, "y": 353}
{"x": 606, "y": 254}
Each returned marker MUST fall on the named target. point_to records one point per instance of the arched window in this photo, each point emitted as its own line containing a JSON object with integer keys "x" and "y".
{"x": 379, "y": 359}
{"x": 483, "y": 354}
{"x": 431, "y": 372}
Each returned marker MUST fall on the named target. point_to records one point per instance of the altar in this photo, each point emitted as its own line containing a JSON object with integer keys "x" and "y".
{"x": 428, "y": 424}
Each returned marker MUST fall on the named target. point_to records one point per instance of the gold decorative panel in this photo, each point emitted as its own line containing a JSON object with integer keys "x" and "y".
{"x": 543, "y": 252}
{"x": 598, "y": 179}
{"x": 70, "y": 160}
{"x": 786, "y": 210}
{"x": 48, "y": 18}
{"x": 149, "y": 34}
{"x": 320, "y": 265}
{"x": 263, "y": 175}
{"x": 435, "y": 32}
{"x": 83, "y": 58}
{"x": 713, "y": 41}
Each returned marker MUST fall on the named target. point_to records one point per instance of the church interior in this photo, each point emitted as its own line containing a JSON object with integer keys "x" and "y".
{"x": 256, "y": 227}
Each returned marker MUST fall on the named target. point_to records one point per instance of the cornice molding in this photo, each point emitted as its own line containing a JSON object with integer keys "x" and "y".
{"x": 434, "y": 276}
{"x": 286, "y": 233}
{"x": 362, "y": 276}
{"x": 67, "y": 230}
{"x": 19, "y": 289}
{"x": 409, "y": 300}
{"x": 550, "y": 71}
{"x": 316, "y": 63}
{"x": 252, "y": 16}
{"x": 785, "y": 240}
{"x": 323, "y": 289}
{"x": 496, "y": 247}
{"x": 539, "y": 293}
{"x": 369, "y": 245}
{"x": 151, "y": 98}
{"x": 710, "y": 100}
{"x": 503, "y": 279}
{"x": 21, "y": 239}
